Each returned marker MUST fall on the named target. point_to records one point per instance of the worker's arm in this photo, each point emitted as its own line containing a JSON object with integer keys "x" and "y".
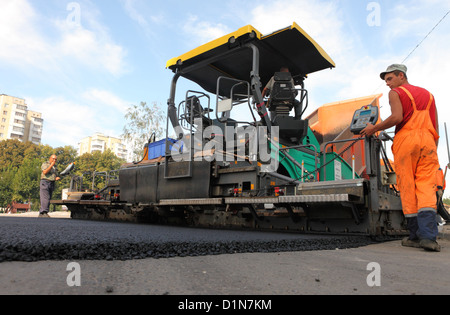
{"x": 393, "y": 120}
{"x": 267, "y": 88}
{"x": 437, "y": 127}
{"x": 46, "y": 171}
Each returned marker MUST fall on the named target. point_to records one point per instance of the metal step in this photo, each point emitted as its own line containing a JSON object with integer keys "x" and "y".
{"x": 314, "y": 198}
{"x": 191, "y": 202}
{"x": 290, "y": 199}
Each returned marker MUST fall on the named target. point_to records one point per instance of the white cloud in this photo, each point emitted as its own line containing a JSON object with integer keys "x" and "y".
{"x": 129, "y": 6}
{"x": 25, "y": 42}
{"x": 132, "y": 8}
{"x": 427, "y": 63}
{"x": 321, "y": 20}
{"x": 90, "y": 48}
{"x": 201, "y": 32}
{"x": 21, "y": 43}
{"x": 67, "y": 121}
{"x": 107, "y": 100}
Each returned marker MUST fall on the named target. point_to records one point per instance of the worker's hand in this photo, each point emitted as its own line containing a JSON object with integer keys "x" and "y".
{"x": 53, "y": 161}
{"x": 58, "y": 178}
{"x": 368, "y": 131}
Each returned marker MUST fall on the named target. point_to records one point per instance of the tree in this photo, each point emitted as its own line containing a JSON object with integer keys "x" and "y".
{"x": 6, "y": 190}
{"x": 18, "y": 172}
{"x": 142, "y": 122}
{"x": 89, "y": 163}
{"x": 446, "y": 201}
{"x": 26, "y": 182}
{"x": 98, "y": 162}
{"x": 12, "y": 152}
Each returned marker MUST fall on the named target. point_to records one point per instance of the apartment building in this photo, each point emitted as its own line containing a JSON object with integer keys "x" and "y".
{"x": 100, "y": 142}
{"x": 17, "y": 122}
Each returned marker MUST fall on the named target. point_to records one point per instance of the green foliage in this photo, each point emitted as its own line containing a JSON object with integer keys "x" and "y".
{"x": 142, "y": 121}
{"x": 12, "y": 153}
{"x": 20, "y": 169}
{"x": 6, "y": 191}
{"x": 25, "y": 184}
{"x": 97, "y": 162}
{"x": 446, "y": 201}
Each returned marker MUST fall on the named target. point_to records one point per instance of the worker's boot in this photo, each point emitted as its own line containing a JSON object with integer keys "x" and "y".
{"x": 430, "y": 245}
{"x": 411, "y": 243}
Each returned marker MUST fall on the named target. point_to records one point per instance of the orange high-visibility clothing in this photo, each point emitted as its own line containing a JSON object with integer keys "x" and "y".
{"x": 440, "y": 180}
{"x": 416, "y": 161}
{"x": 421, "y": 97}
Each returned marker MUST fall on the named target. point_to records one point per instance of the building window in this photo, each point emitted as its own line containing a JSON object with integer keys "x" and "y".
{"x": 19, "y": 129}
{"x": 21, "y": 122}
{"x": 14, "y": 136}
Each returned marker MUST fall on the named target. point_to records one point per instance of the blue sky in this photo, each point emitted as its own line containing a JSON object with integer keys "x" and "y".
{"x": 82, "y": 63}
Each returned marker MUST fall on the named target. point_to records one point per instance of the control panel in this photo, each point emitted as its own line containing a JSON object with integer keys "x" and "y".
{"x": 362, "y": 117}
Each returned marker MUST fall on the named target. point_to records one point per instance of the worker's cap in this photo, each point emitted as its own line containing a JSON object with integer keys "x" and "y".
{"x": 393, "y": 68}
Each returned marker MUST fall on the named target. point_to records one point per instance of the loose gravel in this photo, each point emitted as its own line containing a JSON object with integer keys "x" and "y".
{"x": 38, "y": 239}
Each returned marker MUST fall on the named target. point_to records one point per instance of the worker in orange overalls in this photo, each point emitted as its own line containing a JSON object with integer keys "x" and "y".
{"x": 414, "y": 113}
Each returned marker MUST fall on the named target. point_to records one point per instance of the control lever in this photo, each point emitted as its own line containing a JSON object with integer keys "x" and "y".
{"x": 384, "y": 136}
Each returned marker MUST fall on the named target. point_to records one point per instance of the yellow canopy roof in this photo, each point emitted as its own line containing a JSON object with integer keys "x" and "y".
{"x": 228, "y": 56}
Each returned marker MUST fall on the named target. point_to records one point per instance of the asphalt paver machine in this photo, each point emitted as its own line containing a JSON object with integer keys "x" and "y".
{"x": 235, "y": 159}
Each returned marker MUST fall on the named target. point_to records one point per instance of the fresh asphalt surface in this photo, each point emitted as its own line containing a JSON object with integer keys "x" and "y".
{"x": 121, "y": 258}
{"x": 34, "y": 239}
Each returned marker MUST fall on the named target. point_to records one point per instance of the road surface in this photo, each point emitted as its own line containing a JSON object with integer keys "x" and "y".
{"x": 180, "y": 261}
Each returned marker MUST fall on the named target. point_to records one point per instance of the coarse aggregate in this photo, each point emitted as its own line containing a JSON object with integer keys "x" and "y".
{"x": 38, "y": 239}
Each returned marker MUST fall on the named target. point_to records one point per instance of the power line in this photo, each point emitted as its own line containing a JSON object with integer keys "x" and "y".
{"x": 415, "y": 48}
{"x": 418, "y": 45}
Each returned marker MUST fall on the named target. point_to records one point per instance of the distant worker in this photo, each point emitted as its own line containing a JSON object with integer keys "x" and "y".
{"x": 269, "y": 88}
{"x": 49, "y": 176}
{"x": 414, "y": 113}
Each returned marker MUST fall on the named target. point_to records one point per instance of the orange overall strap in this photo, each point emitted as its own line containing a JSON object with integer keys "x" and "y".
{"x": 414, "y": 102}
